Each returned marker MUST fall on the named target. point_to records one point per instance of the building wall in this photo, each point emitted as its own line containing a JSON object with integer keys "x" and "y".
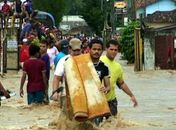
{"x": 138, "y": 12}
{"x": 149, "y": 53}
{"x": 164, "y": 46}
{"x": 70, "y": 21}
{"x": 143, "y": 3}
{"x": 161, "y": 5}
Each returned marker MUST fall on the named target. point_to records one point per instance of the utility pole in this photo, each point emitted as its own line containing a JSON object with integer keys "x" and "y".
{"x": 105, "y": 9}
{"x": 113, "y": 17}
{"x": 145, "y": 4}
{"x": 1, "y": 53}
{"x": 133, "y": 9}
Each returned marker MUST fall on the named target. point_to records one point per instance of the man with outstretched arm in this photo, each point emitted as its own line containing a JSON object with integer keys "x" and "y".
{"x": 116, "y": 76}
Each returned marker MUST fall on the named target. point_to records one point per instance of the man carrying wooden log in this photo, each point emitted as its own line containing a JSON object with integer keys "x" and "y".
{"x": 74, "y": 49}
{"x": 80, "y": 71}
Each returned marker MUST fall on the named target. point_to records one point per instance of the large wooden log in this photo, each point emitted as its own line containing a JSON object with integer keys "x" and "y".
{"x": 76, "y": 93}
{"x": 96, "y": 100}
{"x": 83, "y": 86}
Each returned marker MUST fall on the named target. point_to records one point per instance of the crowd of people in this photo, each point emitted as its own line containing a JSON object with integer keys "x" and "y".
{"x": 48, "y": 53}
{"x": 108, "y": 69}
{"x": 17, "y": 9}
{"x": 42, "y": 49}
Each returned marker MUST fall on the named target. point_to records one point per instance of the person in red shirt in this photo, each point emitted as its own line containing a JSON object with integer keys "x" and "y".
{"x": 5, "y": 12}
{"x": 35, "y": 70}
{"x": 6, "y": 8}
{"x": 24, "y": 52}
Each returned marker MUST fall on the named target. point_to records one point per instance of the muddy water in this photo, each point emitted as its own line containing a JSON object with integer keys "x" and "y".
{"x": 155, "y": 91}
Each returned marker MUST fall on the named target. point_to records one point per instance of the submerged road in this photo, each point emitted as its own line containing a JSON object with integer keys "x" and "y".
{"x": 156, "y": 95}
{"x": 154, "y": 90}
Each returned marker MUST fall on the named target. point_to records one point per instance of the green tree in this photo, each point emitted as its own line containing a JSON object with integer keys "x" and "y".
{"x": 74, "y": 7}
{"x": 56, "y": 7}
{"x": 90, "y": 10}
{"x": 93, "y": 15}
{"x": 127, "y": 41}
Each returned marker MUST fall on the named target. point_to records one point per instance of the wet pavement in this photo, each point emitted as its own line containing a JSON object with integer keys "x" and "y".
{"x": 154, "y": 90}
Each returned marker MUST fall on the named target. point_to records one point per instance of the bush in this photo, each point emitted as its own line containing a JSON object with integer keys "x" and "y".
{"x": 127, "y": 41}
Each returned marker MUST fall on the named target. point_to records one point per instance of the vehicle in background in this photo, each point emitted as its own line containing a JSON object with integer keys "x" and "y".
{"x": 45, "y": 18}
{"x": 65, "y": 27}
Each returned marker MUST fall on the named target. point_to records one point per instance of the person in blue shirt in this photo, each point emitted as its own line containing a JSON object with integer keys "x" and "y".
{"x": 63, "y": 50}
{"x": 45, "y": 58}
{"x": 28, "y": 7}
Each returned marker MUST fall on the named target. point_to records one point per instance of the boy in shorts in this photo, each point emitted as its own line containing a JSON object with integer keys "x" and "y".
{"x": 35, "y": 69}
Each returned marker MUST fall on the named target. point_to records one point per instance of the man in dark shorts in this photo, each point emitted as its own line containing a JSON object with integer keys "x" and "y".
{"x": 35, "y": 69}
{"x": 116, "y": 76}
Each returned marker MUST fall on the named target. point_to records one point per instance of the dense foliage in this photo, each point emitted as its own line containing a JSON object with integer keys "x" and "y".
{"x": 127, "y": 41}
{"x": 56, "y": 7}
{"x": 93, "y": 15}
{"x": 74, "y": 7}
{"x": 91, "y": 10}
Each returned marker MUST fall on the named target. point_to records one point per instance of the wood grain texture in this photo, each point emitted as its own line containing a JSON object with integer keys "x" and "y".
{"x": 83, "y": 86}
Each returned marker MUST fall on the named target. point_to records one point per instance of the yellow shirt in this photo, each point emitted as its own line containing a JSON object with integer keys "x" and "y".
{"x": 116, "y": 74}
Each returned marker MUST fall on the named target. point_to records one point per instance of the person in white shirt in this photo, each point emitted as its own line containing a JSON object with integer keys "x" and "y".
{"x": 52, "y": 52}
{"x": 74, "y": 49}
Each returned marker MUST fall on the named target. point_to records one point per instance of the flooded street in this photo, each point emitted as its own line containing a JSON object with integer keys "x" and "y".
{"x": 154, "y": 90}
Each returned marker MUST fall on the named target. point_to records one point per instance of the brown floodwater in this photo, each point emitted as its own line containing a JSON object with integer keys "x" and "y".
{"x": 154, "y": 90}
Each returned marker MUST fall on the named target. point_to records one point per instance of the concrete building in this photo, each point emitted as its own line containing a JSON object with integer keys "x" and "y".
{"x": 71, "y": 21}
{"x": 159, "y": 39}
{"x": 146, "y": 7}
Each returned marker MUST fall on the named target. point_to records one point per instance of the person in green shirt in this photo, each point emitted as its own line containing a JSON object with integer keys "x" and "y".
{"x": 116, "y": 76}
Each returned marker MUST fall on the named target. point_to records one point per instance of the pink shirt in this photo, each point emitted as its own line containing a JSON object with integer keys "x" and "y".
{"x": 52, "y": 52}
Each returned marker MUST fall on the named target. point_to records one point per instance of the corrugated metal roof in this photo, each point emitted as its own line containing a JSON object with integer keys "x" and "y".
{"x": 161, "y": 26}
